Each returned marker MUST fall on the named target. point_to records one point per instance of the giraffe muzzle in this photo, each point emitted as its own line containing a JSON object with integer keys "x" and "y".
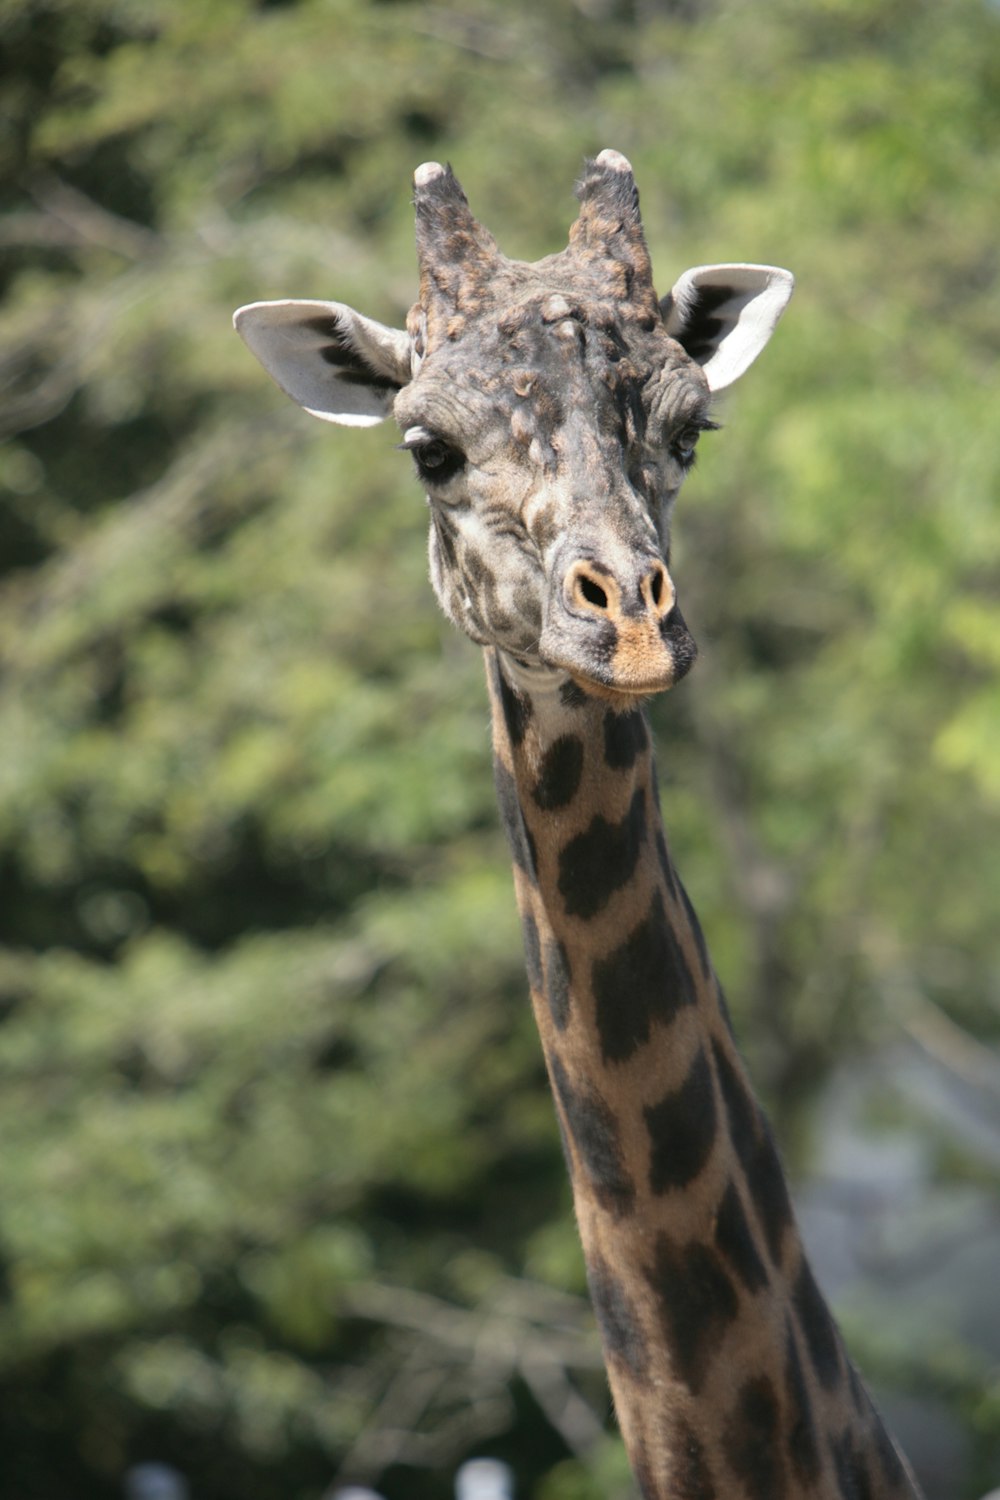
{"x": 617, "y": 630}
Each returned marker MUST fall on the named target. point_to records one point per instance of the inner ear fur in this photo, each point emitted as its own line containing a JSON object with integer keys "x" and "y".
{"x": 724, "y": 315}
{"x": 336, "y": 363}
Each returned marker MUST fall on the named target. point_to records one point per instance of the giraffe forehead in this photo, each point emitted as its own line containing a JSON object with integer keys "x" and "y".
{"x": 570, "y": 309}
{"x": 551, "y": 359}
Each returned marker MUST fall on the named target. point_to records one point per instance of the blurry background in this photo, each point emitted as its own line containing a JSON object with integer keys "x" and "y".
{"x": 281, "y": 1196}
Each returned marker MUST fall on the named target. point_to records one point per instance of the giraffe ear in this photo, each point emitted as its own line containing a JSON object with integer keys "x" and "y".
{"x": 339, "y": 365}
{"x": 724, "y": 315}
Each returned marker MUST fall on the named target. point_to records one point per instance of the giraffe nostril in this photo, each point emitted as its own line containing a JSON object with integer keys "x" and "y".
{"x": 658, "y": 591}
{"x": 591, "y": 591}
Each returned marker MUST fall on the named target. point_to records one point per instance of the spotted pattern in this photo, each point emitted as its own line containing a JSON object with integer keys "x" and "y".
{"x": 751, "y": 1441}
{"x": 559, "y": 777}
{"x": 642, "y": 1468}
{"x": 817, "y": 1327}
{"x": 644, "y": 979}
{"x": 667, "y": 869}
{"x": 484, "y": 610}
{"x": 733, "y": 1237}
{"x": 621, "y": 1330}
{"x": 853, "y": 1477}
{"x": 567, "y": 1149}
{"x": 767, "y": 1441}
{"x": 625, "y": 738}
{"x": 691, "y": 1479}
{"x": 769, "y": 1191}
{"x": 682, "y": 1129}
{"x": 803, "y": 1450}
{"x": 741, "y": 1111}
{"x": 598, "y": 862}
{"x": 532, "y": 953}
{"x": 517, "y": 710}
{"x": 557, "y": 984}
{"x": 697, "y": 1303}
{"x": 751, "y": 1137}
{"x": 594, "y": 1132}
{"x": 519, "y": 839}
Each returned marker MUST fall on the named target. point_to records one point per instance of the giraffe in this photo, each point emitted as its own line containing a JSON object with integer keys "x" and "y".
{"x": 552, "y": 411}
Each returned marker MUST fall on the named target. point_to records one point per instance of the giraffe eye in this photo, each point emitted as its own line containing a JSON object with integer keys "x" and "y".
{"x": 683, "y": 445}
{"x": 437, "y": 461}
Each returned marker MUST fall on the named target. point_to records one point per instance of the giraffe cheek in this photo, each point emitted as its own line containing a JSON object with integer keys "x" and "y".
{"x": 451, "y": 592}
{"x": 439, "y": 552}
{"x": 526, "y": 608}
{"x": 509, "y": 607}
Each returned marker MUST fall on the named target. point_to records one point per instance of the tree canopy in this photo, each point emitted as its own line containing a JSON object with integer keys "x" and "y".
{"x": 281, "y": 1196}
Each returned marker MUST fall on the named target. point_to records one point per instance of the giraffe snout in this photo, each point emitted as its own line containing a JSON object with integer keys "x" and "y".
{"x": 590, "y": 586}
{"x": 617, "y": 626}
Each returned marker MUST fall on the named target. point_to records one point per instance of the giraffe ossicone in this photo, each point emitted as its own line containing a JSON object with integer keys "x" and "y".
{"x": 426, "y": 173}
{"x": 613, "y": 160}
{"x": 552, "y": 411}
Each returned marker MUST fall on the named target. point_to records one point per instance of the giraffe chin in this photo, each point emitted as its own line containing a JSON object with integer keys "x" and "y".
{"x": 622, "y": 697}
{"x": 631, "y": 678}
{"x": 535, "y": 675}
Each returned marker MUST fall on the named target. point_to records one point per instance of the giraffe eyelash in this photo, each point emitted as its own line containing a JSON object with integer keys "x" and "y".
{"x": 413, "y": 437}
{"x": 682, "y": 445}
{"x": 437, "y": 461}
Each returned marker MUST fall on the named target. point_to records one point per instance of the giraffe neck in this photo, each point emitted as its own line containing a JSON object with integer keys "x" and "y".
{"x": 727, "y": 1370}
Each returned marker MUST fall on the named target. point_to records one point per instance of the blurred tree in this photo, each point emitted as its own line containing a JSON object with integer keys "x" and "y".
{"x": 281, "y": 1193}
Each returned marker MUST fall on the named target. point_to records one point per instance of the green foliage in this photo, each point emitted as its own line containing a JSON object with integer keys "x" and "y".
{"x": 268, "y": 1071}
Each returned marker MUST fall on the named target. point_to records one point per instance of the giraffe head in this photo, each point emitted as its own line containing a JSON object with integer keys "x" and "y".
{"x": 551, "y": 410}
